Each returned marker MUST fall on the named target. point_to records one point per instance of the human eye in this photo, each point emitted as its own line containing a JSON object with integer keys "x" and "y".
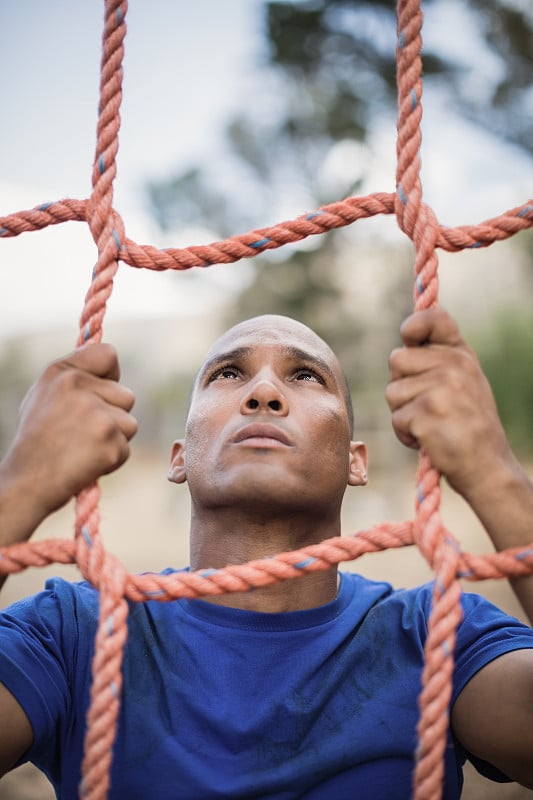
{"x": 227, "y": 372}
{"x": 307, "y": 374}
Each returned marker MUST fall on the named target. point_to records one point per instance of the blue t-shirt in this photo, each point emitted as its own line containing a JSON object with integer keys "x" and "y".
{"x": 219, "y": 702}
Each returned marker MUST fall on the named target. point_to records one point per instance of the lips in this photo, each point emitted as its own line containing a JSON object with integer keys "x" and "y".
{"x": 262, "y": 431}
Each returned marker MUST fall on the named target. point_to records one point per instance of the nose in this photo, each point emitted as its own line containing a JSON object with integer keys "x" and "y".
{"x": 265, "y": 395}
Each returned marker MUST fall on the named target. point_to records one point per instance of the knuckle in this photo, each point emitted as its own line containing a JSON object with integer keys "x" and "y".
{"x": 403, "y": 432}
{"x": 432, "y": 405}
{"x": 98, "y": 358}
{"x": 132, "y": 428}
{"x": 399, "y": 422}
{"x": 67, "y": 378}
{"x": 107, "y": 428}
{"x": 394, "y": 356}
{"x": 108, "y": 354}
{"x": 117, "y": 455}
{"x": 112, "y": 444}
{"x": 128, "y": 400}
{"x": 52, "y": 372}
{"x": 391, "y": 395}
{"x": 449, "y": 381}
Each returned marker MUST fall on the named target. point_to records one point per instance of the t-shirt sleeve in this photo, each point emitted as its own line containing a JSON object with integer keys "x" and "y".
{"x": 485, "y": 633}
{"x": 38, "y": 648}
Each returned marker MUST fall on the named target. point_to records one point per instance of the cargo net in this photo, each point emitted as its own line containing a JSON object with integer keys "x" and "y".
{"x": 439, "y": 547}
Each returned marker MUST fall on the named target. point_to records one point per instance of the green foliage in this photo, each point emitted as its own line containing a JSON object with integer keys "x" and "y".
{"x": 506, "y": 354}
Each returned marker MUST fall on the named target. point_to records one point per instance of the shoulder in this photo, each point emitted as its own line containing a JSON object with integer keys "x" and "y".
{"x": 484, "y": 633}
{"x": 57, "y": 616}
{"x": 408, "y": 607}
{"x": 58, "y": 599}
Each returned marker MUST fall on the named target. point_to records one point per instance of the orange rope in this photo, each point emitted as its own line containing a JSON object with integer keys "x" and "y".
{"x": 248, "y": 245}
{"x": 438, "y": 546}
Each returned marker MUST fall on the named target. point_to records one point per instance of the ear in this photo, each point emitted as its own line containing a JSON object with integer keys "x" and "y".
{"x": 176, "y": 472}
{"x": 357, "y": 472}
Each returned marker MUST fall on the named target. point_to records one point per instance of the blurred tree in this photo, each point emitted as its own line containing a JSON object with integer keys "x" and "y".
{"x": 507, "y": 29}
{"x": 328, "y": 77}
{"x": 505, "y": 350}
{"x": 328, "y": 80}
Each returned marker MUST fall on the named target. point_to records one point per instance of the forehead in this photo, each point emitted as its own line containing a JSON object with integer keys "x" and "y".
{"x": 276, "y": 332}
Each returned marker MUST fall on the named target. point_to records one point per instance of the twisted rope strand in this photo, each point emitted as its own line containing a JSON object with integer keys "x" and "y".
{"x": 247, "y": 245}
{"x": 426, "y": 531}
{"x": 418, "y": 221}
{"x": 108, "y": 233}
{"x": 514, "y": 562}
{"x": 409, "y": 79}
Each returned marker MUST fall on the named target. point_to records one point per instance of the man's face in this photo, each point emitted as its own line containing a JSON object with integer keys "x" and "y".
{"x": 268, "y": 424}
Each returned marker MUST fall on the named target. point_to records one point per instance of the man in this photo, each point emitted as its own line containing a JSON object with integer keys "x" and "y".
{"x": 303, "y": 689}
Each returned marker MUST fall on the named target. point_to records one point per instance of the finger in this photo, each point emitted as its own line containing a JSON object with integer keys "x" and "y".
{"x": 402, "y": 391}
{"x": 113, "y": 393}
{"x": 62, "y": 379}
{"x": 432, "y": 326}
{"x": 126, "y": 423}
{"x": 118, "y": 456}
{"x": 99, "y": 359}
{"x": 397, "y": 365}
{"x": 402, "y": 425}
{"x": 410, "y": 361}
{"x": 446, "y": 358}
{"x": 112, "y": 430}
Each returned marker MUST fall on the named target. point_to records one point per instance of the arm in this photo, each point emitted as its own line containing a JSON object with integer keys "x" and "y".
{"x": 74, "y": 426}
{"x": 441, "y": 401}
{"x": 17, "y": 736}
{"x": 493, "y": 715}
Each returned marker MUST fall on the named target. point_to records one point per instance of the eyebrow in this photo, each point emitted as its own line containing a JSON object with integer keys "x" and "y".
{"x": 240, "y": 352}
{"x": 303, "y": 355}
{"x": 222, "y": 358}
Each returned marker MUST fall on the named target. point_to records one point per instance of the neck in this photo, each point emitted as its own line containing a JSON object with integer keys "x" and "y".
{"x": 221, "y": 538}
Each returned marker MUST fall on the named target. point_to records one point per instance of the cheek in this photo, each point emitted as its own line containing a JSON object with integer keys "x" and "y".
{"x": 331, "y": 425}
{"x": 205, "y": 424}
{"x": 329, "y": 443}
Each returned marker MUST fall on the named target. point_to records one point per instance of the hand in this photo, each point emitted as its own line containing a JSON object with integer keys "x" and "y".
{"x": 74, "y": 426}
{"x": 441, "y": 401}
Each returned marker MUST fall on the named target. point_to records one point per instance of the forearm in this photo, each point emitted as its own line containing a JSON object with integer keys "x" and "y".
{"x": 503, "y": 501}
{"x": 21, "y": 511}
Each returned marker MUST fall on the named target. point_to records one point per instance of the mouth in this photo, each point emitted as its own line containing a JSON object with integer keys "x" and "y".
{"x": 262, "y": 435}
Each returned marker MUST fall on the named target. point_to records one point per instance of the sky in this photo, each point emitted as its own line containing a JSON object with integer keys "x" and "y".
{"x": 187, "y": 68}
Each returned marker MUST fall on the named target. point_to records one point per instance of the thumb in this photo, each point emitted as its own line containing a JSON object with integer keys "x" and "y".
{"x": 431, "y": 326}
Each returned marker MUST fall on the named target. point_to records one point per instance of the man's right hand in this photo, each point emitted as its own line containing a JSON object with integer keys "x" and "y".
{"x": 74, "y": 426}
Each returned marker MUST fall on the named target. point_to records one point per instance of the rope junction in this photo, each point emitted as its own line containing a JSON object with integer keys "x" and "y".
{"x": 439, "y": 547}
